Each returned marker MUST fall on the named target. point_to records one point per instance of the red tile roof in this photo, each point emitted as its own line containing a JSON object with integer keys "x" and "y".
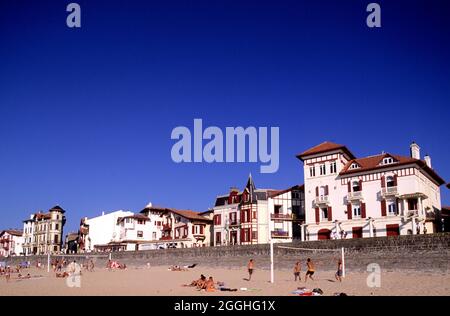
{"x": 373, "y": 163}
{"x": 324, "y": 147}
{"x": 273, "y": 193}
{"x": 190, "y": 214}
{"x": 13, "y": 232}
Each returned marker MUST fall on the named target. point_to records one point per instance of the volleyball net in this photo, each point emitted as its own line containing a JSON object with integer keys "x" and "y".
{"x": 339, "y": 252}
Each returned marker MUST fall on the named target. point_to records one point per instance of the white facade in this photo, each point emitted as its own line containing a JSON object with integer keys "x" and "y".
{"x": 11, "y": 242}
{"x": 374, "y": 196}
{"x": 104, "y": 229}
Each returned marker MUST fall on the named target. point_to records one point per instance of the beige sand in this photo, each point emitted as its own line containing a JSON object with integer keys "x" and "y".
{"x": 160, "y": 281}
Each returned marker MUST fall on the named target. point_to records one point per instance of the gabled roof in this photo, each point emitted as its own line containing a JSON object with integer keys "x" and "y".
{"x": 12, "y": 232}
{"x": 274, "y": 193}
{"x": 324, "y": 147}
{"x": 190, "y": 215}
{"x": 374, "y": 163}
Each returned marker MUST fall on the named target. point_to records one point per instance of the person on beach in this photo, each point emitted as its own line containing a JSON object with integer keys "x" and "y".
{"x": 209, "y": 285}
{"x": 310, "y": 271}
{"x": 297, "y": 269}
{"x": 197, "y": 282}
{"x": 250, "y": 267}
{"x": 338, "y": 274}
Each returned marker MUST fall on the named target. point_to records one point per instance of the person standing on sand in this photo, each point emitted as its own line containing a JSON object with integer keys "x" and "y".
{"x": 250, "y": 267}
{"x": 310, "y": 270}
{"x": 297, "y": 269}
{"x": 338, "y": 274}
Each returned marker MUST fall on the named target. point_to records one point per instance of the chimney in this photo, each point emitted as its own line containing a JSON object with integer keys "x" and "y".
{"x": 103, "y": 213}
{"x": 427, "y": 159}
{"x": 415, "y": 150}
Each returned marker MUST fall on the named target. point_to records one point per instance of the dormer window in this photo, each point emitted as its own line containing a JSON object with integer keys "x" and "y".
{"x": 354, "y": 166}
{"x": 388, "y": 160}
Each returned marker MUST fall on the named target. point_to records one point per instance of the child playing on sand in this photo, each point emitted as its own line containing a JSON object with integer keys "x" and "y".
{"x": 310, "y": 270}
{"x": 297, "y": 269}
{"x": 250, "y": 267}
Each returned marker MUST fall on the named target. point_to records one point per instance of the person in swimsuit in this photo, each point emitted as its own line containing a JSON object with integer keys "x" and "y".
{"x": 338, "y": 274}
{"x": 310, "y": 270}
{"x": 250, "y": 267}
{"x": 297, "y": 269}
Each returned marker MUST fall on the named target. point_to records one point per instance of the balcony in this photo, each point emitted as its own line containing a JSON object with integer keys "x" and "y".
{"x": 166, "y": 238}
{"x": 278, "y": 216}
{"x": 389, "y": 191}
{"x": 321, "y": 200}
{"x": 355, "y": 196}
{"x": 279, "y": 234}
{"x": 199, "y": 236}
{"x": 167, "y": 227}
{"x": 233, "y": 223}
{"x": 411, "y": 213}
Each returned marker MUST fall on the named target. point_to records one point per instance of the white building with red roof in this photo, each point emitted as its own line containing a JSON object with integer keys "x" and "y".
{"x": 11, "y": 241}
{"x": 381, "y": 195}
{"x": 179, "y": 228}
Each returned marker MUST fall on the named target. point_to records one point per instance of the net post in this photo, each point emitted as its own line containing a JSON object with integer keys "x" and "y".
{"x": 343, "y": 261}
{"x": 271, "y": 262}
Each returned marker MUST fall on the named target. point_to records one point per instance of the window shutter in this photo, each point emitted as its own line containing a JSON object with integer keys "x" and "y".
{"x": 349, "y": 186}
{"x": 349, "y": 211}
{"x": 363, "y": 210}
{"x": 360, "y": 185}
{"x": 317, "y": 215}
{"x": 383, "y": 208}
{"x": 201, "y": 229}
{"x": 193, "y": 229}
{"x": 395, "y": 180}
{"x": 383, "y": 181}
{"x": 326, "y": 189}
{"x": 330, "y": 214}
{"x": 317, "y": 191}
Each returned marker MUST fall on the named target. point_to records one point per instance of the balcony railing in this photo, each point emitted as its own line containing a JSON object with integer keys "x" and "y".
{"x": 389, "y": 191}
{"x": 281, "y": 216}
{"x": 322, "y": 199}
{"x": 167, "y": 227}
{"x": 412, "y": 213}
{"x": 352, "y": 196}
{"x": 233, "y": 223}
{"x": 280, "y": 234}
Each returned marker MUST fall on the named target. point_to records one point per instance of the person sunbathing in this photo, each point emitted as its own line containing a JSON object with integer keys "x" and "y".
{"x": 196, "y": 282}
{"x": 62, "y": 275}
{"x": 209, "y": 285}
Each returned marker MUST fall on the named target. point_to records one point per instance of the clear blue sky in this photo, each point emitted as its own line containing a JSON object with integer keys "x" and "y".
{"x": 86, "y": 114}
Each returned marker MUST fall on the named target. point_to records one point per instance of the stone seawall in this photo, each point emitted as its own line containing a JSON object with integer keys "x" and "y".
{"x": 417, "y": 252}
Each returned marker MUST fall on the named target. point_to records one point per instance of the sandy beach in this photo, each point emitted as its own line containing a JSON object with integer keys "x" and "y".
{"x": 158, "y": 280}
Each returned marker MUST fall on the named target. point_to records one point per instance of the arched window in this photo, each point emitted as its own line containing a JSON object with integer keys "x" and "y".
{"x": 390, "y": 181}
{"x": 355, "y": 186}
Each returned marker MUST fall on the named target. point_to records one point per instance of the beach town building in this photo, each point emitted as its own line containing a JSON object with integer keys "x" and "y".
{"x": 255, "y": 216}
{"x": 286, "y": 209}
{"x": 102, "y": 233}
{"x": 11, "y": 241}
{"x": 43, "y": 232}
{"x": 179, "y": 228}
{"x": 380, "y": 195}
